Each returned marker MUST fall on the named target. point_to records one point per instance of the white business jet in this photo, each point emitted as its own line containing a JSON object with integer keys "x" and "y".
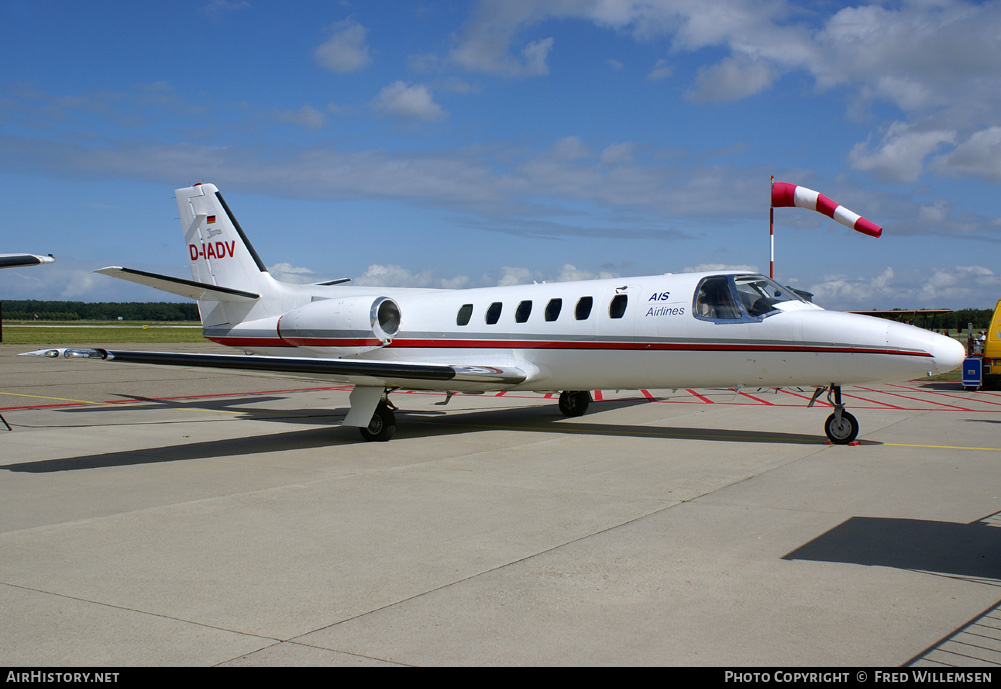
{"x": 663, "y": 331}
{"x": 17, "y": 260}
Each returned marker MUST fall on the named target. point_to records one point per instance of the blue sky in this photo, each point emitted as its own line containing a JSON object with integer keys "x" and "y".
{"x": 466, "y": 144}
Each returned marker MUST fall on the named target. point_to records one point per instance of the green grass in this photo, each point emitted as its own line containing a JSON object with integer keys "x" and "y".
{"x": 89, "y": 333}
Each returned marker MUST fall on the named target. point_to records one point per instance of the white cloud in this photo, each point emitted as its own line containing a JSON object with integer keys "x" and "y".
{"x": 286, "y": 272}
{"x": 307, "y": 116}
{"x": 619, "y": 154}
{"x": 709, "y": 267}
{"x": 955, "y": 288}
{"x": 408, "y": 102}
{"x": 377, "y": 275}
{"x": 510, "y": 275}
{"x": 397, "y": 276}
{"x": 732, "y": 79}
{"x": 980, "y": 155}
{"x": 534, "y": 56}
{"x": 345, "y": 50}
{"x": 215, "y": 9}
{"x": 661, "y": 70}
{"x": 900, "y": 156}
{"x": 571, "y": 273}
{"x": 516, "y": 276}
{"x": 485, "y": 42}
{"x": 935, "y": 60}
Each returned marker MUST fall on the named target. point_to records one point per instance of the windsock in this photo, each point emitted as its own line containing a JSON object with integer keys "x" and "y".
{"x": 785, "y": 195}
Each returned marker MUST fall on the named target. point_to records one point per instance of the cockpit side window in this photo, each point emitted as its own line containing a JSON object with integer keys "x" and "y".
{"x": 714, "y": 300}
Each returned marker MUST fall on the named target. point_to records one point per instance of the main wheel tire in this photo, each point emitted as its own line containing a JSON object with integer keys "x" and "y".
{"x": 841, "y": 433}
{"x": 382, "y": 426}
{"x": 574, "y": 402}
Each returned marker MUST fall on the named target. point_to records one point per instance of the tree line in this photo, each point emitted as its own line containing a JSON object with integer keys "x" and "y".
{"x": 957, "y": 320}
{"x": 32, "y": 309}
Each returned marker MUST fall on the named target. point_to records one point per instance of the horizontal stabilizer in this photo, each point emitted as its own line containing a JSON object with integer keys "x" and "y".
{"x": 185, "y": 288}
{"x": 357, "y": 371}
{"x": 15, "y": 260}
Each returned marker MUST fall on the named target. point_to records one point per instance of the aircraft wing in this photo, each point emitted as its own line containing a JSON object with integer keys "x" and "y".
{"x": 179, "y": 286}
{"x": 368, "y": 372}
{"x": 15, "y": 260}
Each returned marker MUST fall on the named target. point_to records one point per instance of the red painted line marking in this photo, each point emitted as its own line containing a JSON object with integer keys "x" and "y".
{"x": 49, "y": 406}
{"x": 172, "y": 399}
{"x": 866, "y": 399}
{"x": 704, "y": 399}
{"x": 916, "y": 399}
{"x": 944, "y": 394}
{"x": 757, "y": 399}
{"x": 820, "y": 401}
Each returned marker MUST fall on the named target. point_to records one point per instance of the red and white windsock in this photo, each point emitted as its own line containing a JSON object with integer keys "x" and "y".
{"x": 785, "y": 195}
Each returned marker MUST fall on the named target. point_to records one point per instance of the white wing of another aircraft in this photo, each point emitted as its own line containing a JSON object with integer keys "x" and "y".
{"x": 16, "y": 260}
{"x": 710, "y": 329}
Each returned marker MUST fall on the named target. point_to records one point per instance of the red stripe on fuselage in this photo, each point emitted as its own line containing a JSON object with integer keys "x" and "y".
{"x": 559, "y": 344}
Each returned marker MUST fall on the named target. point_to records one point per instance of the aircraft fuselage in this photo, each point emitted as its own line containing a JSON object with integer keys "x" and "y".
{"x": 637, "y": 333}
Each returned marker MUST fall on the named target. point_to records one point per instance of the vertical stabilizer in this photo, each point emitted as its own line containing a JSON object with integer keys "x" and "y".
{"x": 221, "y": 255}
{"x": 219, "y": 251}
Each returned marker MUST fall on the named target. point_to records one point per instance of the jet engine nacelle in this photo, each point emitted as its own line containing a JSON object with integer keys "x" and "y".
{"x": 342, "y": 326}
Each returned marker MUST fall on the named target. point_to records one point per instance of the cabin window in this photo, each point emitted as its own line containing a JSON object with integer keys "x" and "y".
{"x": 715, "y": 300}
{"x": 617, "y": 309}
{"x": 465, "y": 313}
{"x": 493, "y": 313}
{"x": 523, "y": 311}
{"x": 553, "y": 309}
{"x": 583, "y": 309}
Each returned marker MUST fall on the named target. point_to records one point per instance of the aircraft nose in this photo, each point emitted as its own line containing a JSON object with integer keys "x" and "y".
{"x": 947, "y": 353}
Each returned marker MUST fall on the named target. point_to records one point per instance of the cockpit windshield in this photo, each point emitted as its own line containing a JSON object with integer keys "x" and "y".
{"x": 760, "y": 295}
{"x": 742, "y": 297}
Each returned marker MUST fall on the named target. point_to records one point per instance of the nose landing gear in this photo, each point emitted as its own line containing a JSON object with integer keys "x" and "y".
{"x": 841, "y": 427}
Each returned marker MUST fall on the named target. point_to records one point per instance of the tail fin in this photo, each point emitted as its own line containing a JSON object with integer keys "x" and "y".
{"x": 219, "y": 251}
{"x": 221, "y": 255}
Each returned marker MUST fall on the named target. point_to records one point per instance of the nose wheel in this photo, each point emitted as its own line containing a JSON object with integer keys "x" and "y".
{"x": 841, "y": 431}
{"x": 841, "y": 427}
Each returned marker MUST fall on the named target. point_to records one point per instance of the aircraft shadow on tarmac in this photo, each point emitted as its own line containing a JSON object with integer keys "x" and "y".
{"x": 970, "y": 551}
{"x": 410, "y": 425}
{"x": 223, "y": 403}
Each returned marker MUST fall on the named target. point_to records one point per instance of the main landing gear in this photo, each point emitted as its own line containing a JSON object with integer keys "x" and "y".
{"x": 383, "y": 424}
{"x": 841, "y": 427}
{"x": 574, "y": 402}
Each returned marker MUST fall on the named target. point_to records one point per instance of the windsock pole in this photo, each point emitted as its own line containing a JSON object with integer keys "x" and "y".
{"x": 771, "y": 234}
